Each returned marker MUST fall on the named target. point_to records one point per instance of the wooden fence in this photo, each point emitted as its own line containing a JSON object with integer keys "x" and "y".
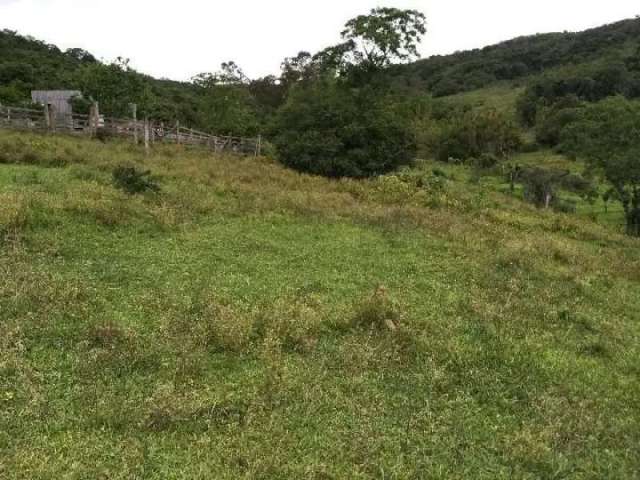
{"x": 147, "y": 131}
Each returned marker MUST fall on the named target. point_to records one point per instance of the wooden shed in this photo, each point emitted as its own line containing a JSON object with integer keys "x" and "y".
{"x": 58, "y": 101}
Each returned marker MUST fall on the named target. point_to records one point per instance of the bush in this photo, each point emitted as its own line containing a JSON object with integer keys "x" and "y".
{"x": 329, "y": 129}
{"x": 133, "y": 181}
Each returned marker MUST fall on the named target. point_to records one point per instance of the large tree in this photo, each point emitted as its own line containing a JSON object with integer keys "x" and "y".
{"x": 327, "y": 129}
{"x": 337, "y": 121}
{"x": 372, "y": 42}
{"x": 385, "y": 36}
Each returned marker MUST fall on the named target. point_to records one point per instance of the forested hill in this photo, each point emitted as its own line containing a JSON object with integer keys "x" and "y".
{"x": 29, "y": 64}
{"x": 521, "y": 57}
{"x": 246, "y": 106}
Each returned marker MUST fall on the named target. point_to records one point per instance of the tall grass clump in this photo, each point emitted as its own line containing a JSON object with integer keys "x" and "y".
{"x": 13, "y": 215}
{"x": 378, "y": 312}
{"x": 293, "y": 323}
{"x": 213, "y": 324}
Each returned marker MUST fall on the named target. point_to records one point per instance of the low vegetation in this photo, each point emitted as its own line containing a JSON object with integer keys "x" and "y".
{"x": 247, "y": 321}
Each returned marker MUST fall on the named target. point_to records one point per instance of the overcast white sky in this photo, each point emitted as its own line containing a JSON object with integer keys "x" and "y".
{"x": 180, "y": 38}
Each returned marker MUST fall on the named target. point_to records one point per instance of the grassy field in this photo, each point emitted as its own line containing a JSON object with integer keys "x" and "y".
{"x": 250, "y": 322}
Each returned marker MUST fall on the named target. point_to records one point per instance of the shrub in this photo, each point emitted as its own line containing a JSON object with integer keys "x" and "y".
{"x": 133, "y": 181}
{"x": 107, "y": 337}
{"x": 112, "y": 348}
{"x": 329, "y": 129}
{"x": 224, "y": 329}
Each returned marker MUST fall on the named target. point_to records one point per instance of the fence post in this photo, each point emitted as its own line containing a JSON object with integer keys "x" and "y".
{"x": 97, "y": 119}
{"x": 52, "y": 117}
{"x": 47, "y": 117}
{"x": 9, "y": 115}
{"x": 94, "y": 118}
{"x": 259, "y": 146}
{"x": 152, "y": 132}
{"x": 134, "y": 114}
{"x": 146, "y": 135}
{"x": 178, "y": 131}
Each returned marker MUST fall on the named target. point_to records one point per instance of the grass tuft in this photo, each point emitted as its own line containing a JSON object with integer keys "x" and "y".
{"x": 378, "y": 312}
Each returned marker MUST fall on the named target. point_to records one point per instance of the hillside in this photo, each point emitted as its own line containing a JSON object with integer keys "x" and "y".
{"x": 520, "y": 58}
{"x": 258, "y": 323}
{"x": 26, "y": 64}
{"x": 29, "y": 64}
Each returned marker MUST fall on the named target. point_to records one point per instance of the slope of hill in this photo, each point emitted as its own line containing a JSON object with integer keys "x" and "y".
{"x": 26, "y": 64}
{"x": 250, "y": 322}
{"x": 520, "y": 57}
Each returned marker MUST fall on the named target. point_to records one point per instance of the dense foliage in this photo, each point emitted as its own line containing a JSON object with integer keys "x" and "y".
{"x": 334, "y": 131}
{"x": 132, "y": 180}
{"x": 587, "y": 83}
